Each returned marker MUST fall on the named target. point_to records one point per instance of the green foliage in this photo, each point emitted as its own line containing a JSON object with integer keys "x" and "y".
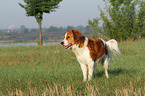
{"x": 38, "y": 7}
{"x": 123, "y": 19}
{"x": 141, "y": 19}
{"x": 94, "y": 25}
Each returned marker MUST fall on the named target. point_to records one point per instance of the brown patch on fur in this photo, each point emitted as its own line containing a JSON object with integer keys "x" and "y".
{"x": 76, "y": 37}
{"x": 96, "y": 47}
{"x": 81, "y": 41}
{"x": 77, "y": 34}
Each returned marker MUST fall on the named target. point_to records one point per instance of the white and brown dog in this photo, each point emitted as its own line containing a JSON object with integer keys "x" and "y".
{"x": 90, "y": 51}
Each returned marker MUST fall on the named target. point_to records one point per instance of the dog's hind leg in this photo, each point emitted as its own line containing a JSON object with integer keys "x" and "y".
{"x": 106, "y": 62}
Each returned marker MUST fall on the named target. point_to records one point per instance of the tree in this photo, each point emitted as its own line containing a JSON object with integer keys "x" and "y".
{"x": 141, "y": 20}
{"x": 123, "y": 19}
{"x": 94, "y": 25}
{"x": 36, "y": 8}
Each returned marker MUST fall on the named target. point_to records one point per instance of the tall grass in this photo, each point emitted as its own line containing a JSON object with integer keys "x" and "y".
{"x": 54, "y": 71}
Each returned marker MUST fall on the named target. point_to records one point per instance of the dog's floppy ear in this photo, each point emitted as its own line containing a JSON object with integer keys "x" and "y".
{"x": 77, "y": 35}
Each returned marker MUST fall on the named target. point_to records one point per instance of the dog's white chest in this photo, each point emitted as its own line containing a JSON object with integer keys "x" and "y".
{"x": 83, "y": 55}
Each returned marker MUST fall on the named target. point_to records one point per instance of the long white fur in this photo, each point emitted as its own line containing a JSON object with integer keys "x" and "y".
{"x": 65, "y": 41}
{"x": 113, "y": 48}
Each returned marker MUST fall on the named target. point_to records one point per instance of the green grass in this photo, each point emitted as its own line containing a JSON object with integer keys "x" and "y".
{"x": 54, "y": 71}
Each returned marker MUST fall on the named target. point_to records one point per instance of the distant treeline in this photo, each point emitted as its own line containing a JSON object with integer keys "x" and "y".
{"x": 53, "y": 33}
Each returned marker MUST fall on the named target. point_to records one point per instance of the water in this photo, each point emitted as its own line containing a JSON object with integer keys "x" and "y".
{"x": 27, "y": 44}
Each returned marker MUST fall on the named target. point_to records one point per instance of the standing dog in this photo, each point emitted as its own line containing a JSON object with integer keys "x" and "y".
{"x": 90, "y": 51}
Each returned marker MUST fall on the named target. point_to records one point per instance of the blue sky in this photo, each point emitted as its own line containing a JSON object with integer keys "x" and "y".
{"x": 70, "y": 12}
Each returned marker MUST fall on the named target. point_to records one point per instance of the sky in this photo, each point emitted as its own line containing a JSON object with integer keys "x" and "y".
{"x": 70, "y": 12}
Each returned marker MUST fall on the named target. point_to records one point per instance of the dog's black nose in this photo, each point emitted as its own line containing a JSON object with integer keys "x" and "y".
{"x": 61, "y": 43}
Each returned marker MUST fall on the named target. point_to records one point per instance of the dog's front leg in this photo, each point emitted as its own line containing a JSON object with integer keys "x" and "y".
{"x": 91, "y": 69}
{"x": 84, "y": 70}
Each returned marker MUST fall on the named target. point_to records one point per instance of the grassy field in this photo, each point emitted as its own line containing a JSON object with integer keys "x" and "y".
{"x": 54, "y": 71}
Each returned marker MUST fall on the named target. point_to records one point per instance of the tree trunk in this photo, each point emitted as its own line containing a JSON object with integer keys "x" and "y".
{"x": 40, "y": 32}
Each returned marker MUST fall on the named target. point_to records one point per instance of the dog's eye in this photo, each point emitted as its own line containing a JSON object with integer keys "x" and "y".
{"x": 68, "y": 37}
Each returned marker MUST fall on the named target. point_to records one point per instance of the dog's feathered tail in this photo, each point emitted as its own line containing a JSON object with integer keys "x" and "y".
{"x": 113, "y": 48}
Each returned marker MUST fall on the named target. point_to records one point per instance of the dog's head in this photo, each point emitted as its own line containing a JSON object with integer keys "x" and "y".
{"x": 71, "y": 38}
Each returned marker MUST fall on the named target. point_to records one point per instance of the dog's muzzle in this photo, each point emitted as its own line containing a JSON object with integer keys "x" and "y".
{"x": 66, "y": 46}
